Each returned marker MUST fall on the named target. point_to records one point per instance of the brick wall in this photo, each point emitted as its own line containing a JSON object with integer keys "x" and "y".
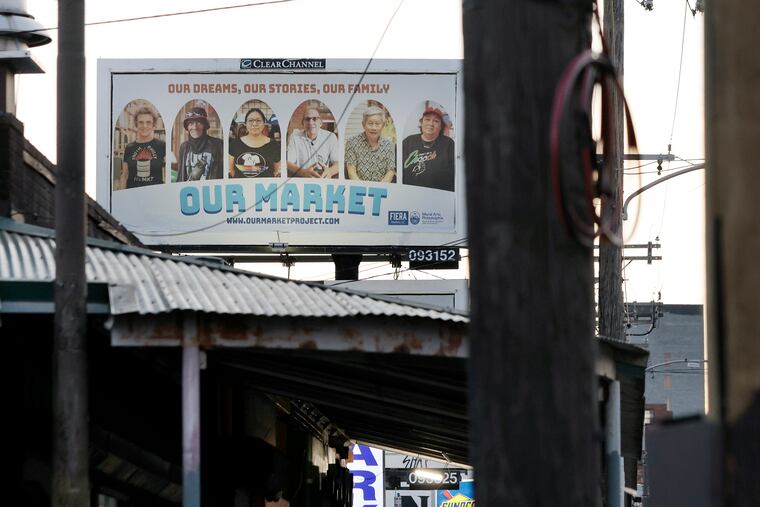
{"x": 27, "y": 187}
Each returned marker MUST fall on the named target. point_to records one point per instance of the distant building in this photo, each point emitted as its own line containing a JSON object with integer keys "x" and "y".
{"x": 675, "y": 374}
{"x": 676, "y": 369}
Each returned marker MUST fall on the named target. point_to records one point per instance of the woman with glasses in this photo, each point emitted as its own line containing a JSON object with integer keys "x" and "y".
{"x": 254, "y": 155}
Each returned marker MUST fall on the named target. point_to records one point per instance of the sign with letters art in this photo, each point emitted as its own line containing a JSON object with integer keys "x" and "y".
{"x": 367, "y": 469}
{"x": 307, "y": 153}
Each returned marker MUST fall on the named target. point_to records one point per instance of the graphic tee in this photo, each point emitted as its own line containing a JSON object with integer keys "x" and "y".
{"x": 200, "y": 159}
{"x": 429, "y": 164}
{"x": 145, "y": 163}
{"x": 254, "y": 162}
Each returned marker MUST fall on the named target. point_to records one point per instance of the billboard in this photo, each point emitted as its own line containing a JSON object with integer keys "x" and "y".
{"x": 283, "y": 154}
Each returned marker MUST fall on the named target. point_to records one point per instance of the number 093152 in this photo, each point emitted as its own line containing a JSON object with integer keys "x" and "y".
{"x": 433, "y": 255}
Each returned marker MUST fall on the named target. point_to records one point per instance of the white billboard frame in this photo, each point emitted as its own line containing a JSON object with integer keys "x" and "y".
{"x": 381, "y": 236}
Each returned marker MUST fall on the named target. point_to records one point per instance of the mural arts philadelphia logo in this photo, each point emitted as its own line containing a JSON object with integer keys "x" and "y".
{"x": 404, "y": 217}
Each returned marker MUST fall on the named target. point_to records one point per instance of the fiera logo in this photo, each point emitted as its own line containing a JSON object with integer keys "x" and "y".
{"x": 398, "y": 218}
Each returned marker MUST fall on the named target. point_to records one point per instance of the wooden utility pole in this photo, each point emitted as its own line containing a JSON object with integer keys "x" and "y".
{"x": 71, "y": 486}
{"x": 733, "y": 248}
{"x": 533, "y": 400}
{"x": 611, "y": 256}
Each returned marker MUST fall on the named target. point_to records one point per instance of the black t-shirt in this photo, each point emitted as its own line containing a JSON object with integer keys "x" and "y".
{"x": 429, "y": 164}
{"x": 200, "y": 159}
{"x": 254, "y": 162}
{"x": 145, "y": 163}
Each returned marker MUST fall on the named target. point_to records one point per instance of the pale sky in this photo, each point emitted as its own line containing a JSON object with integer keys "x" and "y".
{"x": 674, "y": 212}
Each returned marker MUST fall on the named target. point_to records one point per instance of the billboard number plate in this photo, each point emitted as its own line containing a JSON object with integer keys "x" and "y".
{"x": 433, "y": 258}
{"x": 422, "y": 479}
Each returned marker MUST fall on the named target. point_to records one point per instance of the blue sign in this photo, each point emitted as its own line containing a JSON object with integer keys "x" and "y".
{"x": 463, "y": 497}
{"x": 398, "y": 218}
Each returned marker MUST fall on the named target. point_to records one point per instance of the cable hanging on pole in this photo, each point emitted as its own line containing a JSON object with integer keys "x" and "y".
{"x": 573, "y": 103}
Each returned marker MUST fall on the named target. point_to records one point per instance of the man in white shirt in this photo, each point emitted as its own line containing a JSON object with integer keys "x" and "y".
{"x": 312, "y": 151}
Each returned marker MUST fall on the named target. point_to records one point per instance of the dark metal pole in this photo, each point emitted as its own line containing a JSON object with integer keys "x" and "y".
{"x": 71, "y": 485}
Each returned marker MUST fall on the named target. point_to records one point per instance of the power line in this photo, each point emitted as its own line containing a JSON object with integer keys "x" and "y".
{"x": 156, "y": 16}
{"x": 456, "y": 242}
{"x": 431, "y": 264}
{"x": 314, "y": 152}
{"x": 396, "y": 271}
{"x": 678, "y": 168}
{"x": 638, "y": 166}
{"x": 229, "y": 7}
{"x": 689, "y": 160}
{"x": 678, "y": 85}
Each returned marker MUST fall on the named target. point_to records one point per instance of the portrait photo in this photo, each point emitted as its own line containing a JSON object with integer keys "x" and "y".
{"x": 370, "y": 149}
{"x": 139, "y": 147}
{"x": 427, "y": 154}
{"x": 197, "y": 143}
{"x": 312, "y": 150}
{"x": 253, "y": 150}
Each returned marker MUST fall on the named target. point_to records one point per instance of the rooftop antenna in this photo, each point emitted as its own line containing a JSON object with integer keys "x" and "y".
{"x": 18, "y": 32}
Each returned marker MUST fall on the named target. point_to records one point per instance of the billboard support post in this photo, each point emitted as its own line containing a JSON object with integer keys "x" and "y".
{"x": 347, "y": 266}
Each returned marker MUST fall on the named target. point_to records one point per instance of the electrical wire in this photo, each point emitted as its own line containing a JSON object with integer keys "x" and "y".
{"x": 314, "y": 152}
{"x": 213, "y": 9}
{"x": 573, "y": 103}
{"x": 678, "y": 168}
{"x": 627, "y": 315}
{"x": 431, "y": 274}
{"x": 624, "y": 169}
{"x": 695, "y": 371}
{"x": 693, "y": 10}
{"x": 453, "y": 243}
{"x": 156, "y": 16}
{"x": 664, "y": 208}
{"x": 456, "y": 242}
{"x": 675, "y": 112}
{"x": 392, "y": 272}
{"x": 678, "y": 85}
{"x": 689, "y": 160}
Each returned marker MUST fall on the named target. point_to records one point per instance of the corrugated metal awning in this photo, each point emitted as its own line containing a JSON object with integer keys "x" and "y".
{"x": 384, "y": 371}
{"x": 146, "y": 283}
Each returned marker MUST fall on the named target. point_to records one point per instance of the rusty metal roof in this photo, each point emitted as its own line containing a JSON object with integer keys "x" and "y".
{"x": 163, "y": 283}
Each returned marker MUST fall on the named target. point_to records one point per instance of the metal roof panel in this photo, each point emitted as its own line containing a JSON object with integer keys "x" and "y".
{"x": 162, "y": 283}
